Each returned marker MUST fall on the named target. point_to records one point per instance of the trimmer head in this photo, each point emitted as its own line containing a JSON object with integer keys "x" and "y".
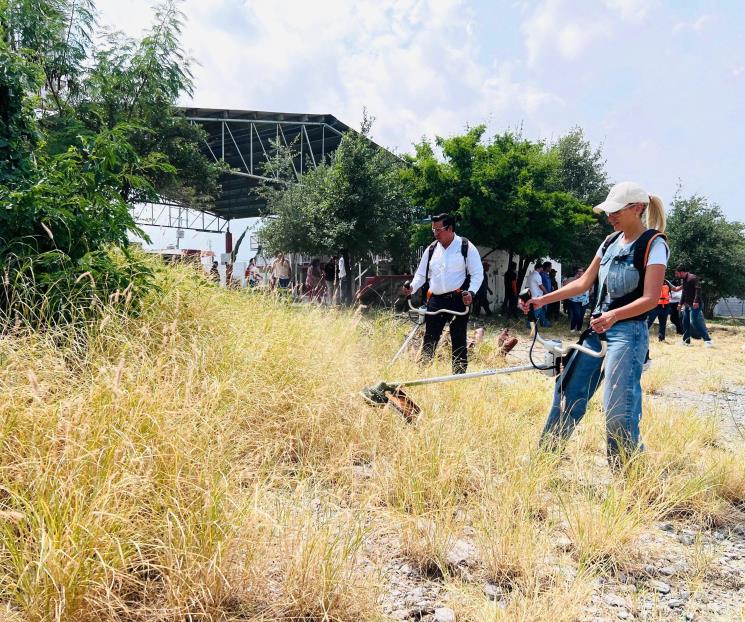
{"x": 394, "y": 396}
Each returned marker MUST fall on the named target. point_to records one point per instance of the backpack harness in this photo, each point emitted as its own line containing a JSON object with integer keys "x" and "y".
{"x": 463, "y": 251}
{"x": 640, "y": 248}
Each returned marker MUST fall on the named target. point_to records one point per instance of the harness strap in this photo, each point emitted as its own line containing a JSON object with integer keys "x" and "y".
{"x": 641, "y": 249}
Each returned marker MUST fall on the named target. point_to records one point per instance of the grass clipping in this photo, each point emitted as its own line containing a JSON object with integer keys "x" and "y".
{"x": 211, "y": 459}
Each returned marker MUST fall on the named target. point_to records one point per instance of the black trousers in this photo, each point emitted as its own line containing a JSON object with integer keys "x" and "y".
{"x": 480, "y": 301}
{"x": 675, "y": 317}
{"x": 434, "y": 325}
{"x": 509, "y": 306}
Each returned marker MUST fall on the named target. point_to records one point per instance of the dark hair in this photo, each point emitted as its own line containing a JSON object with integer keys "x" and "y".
{"x": 513, "y": 265}
{"x": 681, "y": 268}
{"x": 546, "y": 264}
{"x": 447, "y": 220}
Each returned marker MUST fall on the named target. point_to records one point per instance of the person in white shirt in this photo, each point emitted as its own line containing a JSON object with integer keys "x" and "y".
{"x": 451, "y": 267}
{"x": 675, "y": 298}
{"x": 342, "y": 278}
{"x": 535, "y": 284}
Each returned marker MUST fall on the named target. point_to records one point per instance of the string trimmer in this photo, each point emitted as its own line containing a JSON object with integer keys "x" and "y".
{"x": 555, "y": 357}
{"x": 418, "y": 316}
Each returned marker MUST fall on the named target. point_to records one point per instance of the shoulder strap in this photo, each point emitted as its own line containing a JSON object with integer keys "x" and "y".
{"x": 430, "y": 251}
{"x": 642, "y": 247}
{"x": 641, "y": 250}
{"x": 609, "y": 240}
{"x": 464, "y": 252}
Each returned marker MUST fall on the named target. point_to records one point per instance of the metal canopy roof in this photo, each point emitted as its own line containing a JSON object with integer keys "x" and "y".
{"x": 243, "y": 139}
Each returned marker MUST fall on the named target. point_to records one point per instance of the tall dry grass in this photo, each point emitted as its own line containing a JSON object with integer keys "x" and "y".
{"x": 210, "y": 459}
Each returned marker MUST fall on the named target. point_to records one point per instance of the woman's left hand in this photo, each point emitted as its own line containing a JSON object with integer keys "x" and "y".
{"x": 602, "y": 323}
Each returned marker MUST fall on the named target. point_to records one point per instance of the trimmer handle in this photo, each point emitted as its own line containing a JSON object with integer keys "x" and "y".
{"x": 602, "y": 336}
{"x": 524, "y": 295}
{"x": 423, "y": 310}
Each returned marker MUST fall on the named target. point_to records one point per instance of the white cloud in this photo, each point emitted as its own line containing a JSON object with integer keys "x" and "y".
{"x": 696, "y": 25}
{"x": 631, "y": 10}
{"x": 415, "y": 64}
{"x": 554, "y": 28}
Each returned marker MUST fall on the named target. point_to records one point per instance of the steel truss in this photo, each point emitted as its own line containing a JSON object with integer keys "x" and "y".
{"x": 178, "y": 217}
{"x": 248, "y": 144}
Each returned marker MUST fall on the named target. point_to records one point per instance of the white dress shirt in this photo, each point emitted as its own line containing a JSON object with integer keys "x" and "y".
{"x": 534, "y": 283}
{"x": 447, "y": 270}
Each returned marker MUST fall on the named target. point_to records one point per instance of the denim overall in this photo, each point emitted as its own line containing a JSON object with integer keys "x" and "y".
{"x": 622, "y": 367}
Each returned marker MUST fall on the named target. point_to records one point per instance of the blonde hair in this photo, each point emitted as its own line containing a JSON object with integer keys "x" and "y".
{"x": 656, "y": 214}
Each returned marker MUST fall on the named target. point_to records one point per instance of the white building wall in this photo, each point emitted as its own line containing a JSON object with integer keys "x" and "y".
{"x": 498, "y": 261}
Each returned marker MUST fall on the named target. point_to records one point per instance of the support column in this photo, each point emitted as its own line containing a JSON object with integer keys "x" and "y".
{"x": 229, "y": 250}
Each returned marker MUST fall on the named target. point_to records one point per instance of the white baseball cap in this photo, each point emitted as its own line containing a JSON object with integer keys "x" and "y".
{"x": 621, "y": 195}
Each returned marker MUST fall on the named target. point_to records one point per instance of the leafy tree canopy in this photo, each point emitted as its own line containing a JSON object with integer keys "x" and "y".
{"x": 511, "y": 193}
{"x": 356, "y": 203}
{"x": 708, "y": 244}
{"x": 83, "y": 134}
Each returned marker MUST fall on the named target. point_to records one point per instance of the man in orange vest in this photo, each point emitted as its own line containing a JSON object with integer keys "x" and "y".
{"x": 661, "y": 310}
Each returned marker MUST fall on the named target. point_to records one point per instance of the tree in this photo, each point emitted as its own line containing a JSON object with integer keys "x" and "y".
{"x": 713, "y": 248}
{"x": 509, "y": 193}
{"x": 581, "y": 169}
{"x": 355, "y": 204}
{"x": 137, "y": 84}
{"x": 71, "y": 164}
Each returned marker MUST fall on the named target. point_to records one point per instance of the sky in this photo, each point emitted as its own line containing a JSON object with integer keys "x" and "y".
{"x": 660, "y": 84}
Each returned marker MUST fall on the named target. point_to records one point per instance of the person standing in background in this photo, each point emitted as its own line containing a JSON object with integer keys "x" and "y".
{"x": 481, "y": 299}
{"x": 576, "y": 304}
{"x": 535, "y": 284}
{"x": 509, "y": 306}
{"x": 692, "y": 306}
{"x": 281, "y": 271}
{"x": 661, "y": 311}
{"x": 673, "y": 308}
{"x": 554, "y": 309}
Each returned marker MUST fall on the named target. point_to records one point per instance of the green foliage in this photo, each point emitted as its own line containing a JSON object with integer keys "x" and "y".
{"x": 60, "y": 221}
{"x": 513, "y": 193}
{"x": 137, "y": 83}
{"x": 712, "y": 247}
{"x": 100, "y": 135}
{"x": 19, "y": 77}
{"x": 581, "y": 169}
{"x": 356, "y": 203}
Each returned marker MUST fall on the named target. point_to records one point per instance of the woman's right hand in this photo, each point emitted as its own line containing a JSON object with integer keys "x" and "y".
{"x": 536, "y": 303}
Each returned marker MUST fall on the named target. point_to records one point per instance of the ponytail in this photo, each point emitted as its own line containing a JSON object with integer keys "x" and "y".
{"x": 656, "y": 214}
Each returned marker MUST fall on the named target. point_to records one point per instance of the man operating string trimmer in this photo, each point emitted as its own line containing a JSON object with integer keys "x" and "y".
{"x": 451, "y": 271}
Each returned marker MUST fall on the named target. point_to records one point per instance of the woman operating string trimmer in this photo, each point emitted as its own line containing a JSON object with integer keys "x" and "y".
{"x": 630, "y": 268}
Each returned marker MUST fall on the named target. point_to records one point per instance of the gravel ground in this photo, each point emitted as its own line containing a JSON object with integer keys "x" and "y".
{"x": 728, "y": 406}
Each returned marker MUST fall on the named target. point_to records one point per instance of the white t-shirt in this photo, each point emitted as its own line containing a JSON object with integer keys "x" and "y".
{"x": 658, "y": 254}
{"x": 534, "y": 283}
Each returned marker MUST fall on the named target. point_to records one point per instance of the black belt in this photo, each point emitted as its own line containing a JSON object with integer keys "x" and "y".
{"x": 451, "y": 295}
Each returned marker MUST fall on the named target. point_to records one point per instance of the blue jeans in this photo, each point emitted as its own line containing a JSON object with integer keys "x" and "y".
{"x": 576, "y": 314}
{"x": 622, "y": 394}
{"x": 695, "y": 317}
{"x": 660, "y": 313}
{"x": 540, "y": 318}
